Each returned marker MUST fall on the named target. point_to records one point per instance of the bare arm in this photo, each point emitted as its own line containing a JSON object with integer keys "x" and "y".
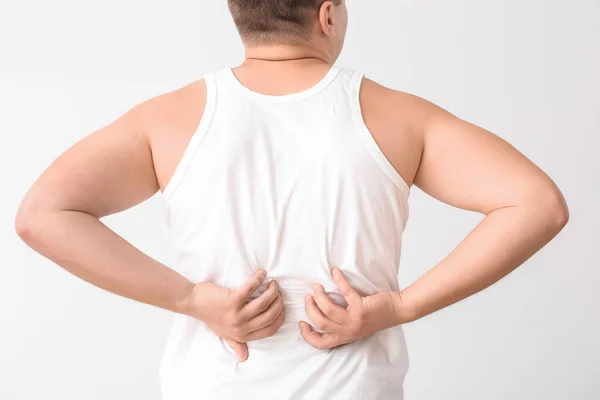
{"x": 468, "y": 167}
{"x": 112, "y": 170}
{"x": 108, "y": 171}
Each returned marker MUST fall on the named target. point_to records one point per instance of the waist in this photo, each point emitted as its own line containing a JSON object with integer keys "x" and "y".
{"x": 283, "y": 366}
{"x": 288, "y": 335}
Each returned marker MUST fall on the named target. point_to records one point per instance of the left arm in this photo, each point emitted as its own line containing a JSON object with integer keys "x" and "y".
{"x": 470, "y": 168}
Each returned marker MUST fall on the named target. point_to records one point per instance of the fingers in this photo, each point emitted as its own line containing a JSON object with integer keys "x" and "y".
{"x": 349, "y": 293}
{"x": 318, "y": 340}
{"x": 328, "y": 307}
{"x": 240, "y": 349}
{"x": 262, "y": 302}
{"x": 250, "y": 286}
{"x": 317, "y": 317}
{"x": 268, "y": 317}
{"x": 267, "y": 331}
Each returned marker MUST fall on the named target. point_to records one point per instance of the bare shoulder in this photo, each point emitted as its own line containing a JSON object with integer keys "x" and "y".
{"x": 172, "y": 109}
{"x": 403, "y": 107}
{"x": 169, "y": 120}
{"x": 397, "y": 120}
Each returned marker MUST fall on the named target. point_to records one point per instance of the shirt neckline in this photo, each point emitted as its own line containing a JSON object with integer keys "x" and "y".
{"x": 304, "y": 94}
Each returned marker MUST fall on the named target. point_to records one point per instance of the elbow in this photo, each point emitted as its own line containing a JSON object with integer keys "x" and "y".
{"x": 24, "y": 226}
{"x": 555, "y": 209}
{"x": 27, "y": 223}
{"x": 561, "y": 215}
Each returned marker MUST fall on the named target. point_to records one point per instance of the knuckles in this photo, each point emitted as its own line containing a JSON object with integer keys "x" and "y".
{"x": 263, "y": 306}
{"x": 234, "y": 321}
{"x": 327, "y": 309}
{"x": 272, "y": 318}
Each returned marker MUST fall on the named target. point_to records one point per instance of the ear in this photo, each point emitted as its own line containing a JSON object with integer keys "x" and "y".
{"x": 327, "y": 18}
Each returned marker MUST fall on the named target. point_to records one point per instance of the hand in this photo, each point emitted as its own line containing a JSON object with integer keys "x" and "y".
{"x": 363, "y": 317}
{"x": 228, "y": 313}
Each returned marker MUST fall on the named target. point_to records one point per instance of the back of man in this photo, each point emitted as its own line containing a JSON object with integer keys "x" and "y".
{"x": 285, "y": 184}
{"x": 282, "y": 174}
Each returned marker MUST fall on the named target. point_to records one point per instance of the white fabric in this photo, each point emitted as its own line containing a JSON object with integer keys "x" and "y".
{"x": 294, "y": 184}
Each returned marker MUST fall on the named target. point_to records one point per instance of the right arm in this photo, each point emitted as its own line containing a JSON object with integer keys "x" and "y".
{"x": 109, "y": 171}
{"x": 106, "y": 172}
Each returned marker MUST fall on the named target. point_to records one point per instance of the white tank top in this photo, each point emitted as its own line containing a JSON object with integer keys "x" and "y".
{"x": 293, "y": 184}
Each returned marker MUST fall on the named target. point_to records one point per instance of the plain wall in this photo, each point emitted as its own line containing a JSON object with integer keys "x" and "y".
{"x": 526, "y": 70}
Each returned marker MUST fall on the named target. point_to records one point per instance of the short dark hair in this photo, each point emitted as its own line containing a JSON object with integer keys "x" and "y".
{"x": 273, "y": 21}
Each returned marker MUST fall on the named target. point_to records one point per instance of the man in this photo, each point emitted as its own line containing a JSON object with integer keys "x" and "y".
{"x": 285, "y": 182}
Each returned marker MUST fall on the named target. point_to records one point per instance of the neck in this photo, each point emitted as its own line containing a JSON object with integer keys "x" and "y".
{"x": 285, "y": 53}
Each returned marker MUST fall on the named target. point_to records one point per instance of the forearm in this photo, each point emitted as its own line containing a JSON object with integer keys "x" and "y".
{"x": 87, "y": 248}
{"x": 501, "y": 242}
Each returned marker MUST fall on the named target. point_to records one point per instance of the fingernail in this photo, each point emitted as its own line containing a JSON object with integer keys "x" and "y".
{"x": 307, "y": 297}
{"x": 335, "y": 272}
{"x": 262, "y": 273}
{"x": 316, "y": 286}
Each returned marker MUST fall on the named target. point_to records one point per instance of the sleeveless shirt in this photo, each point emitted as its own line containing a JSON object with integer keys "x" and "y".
{"x": 293, "y": 184}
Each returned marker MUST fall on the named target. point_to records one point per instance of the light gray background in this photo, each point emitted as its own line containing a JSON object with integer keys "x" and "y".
{"x": 527, "y": 70}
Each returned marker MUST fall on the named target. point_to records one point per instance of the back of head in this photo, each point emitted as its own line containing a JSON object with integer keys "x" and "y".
{"x": 290, "y": 22}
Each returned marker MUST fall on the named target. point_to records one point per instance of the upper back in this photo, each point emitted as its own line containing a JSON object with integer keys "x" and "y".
{"x": 394, "y": 119}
